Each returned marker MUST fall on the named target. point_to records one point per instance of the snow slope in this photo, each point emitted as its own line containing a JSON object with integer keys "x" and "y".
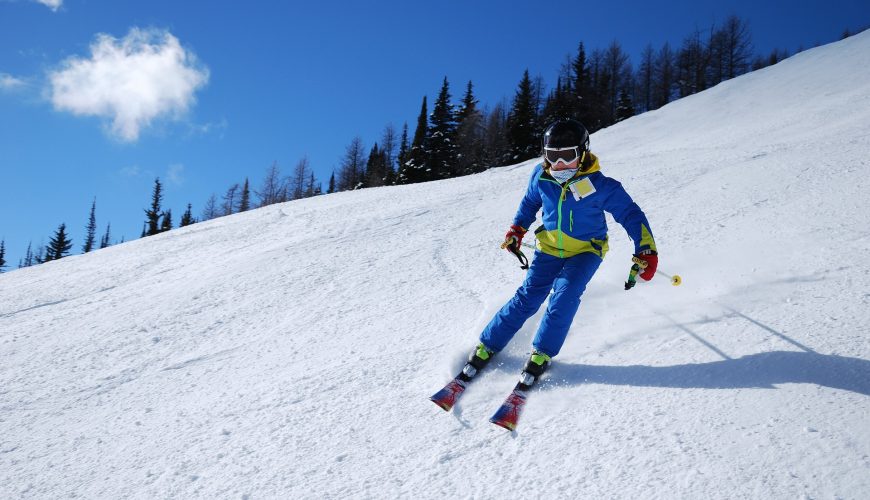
{"x": 290, "y": 351}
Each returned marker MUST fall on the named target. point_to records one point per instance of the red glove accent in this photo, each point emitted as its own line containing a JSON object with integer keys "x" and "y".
{"x": 652, "y": 262}
{"x": 515, "y": 234}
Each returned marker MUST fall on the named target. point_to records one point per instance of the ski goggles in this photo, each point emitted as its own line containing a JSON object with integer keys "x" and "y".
{"x": 564, "y": 155}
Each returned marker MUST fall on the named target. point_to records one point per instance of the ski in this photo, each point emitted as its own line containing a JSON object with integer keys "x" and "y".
{"x": 447, "y": 397}
{"x": 508, "y": 414}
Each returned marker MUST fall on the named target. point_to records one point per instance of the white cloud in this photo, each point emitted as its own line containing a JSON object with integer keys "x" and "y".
{"x": 131, "y": 171}
{"x": 9, "y": 82}
{"x": 51, "y": 4}
{"x": 175, "y": 174}
{"x": 131, "y": 81}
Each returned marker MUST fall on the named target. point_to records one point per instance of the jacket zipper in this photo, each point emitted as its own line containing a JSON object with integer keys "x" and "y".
{"x": 559, "y": 212}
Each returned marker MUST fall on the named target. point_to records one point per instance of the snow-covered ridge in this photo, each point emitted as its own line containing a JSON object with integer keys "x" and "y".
{"x": 290, "y": 351}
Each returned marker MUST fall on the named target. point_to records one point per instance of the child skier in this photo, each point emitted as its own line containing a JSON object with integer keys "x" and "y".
{"x": 573, "y": 195}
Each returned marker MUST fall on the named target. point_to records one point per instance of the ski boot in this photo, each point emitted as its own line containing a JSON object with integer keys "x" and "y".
{"x": 535, "y": 367}
{"x": 477, "y": 361}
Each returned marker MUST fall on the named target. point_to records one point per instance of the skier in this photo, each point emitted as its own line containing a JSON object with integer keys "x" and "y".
{"x": 571, "y": 243}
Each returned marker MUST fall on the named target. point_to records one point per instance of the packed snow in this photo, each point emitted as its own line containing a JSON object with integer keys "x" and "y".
{"x": 290, "y": 351}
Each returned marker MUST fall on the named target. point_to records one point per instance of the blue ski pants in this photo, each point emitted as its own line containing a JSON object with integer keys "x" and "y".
{"x": 567, "y": 278}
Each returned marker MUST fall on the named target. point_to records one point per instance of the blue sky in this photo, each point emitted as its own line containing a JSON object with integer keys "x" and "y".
{"x": 243, "y": 84}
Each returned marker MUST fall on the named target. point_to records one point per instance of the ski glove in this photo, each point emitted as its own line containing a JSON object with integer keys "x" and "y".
{"x": 516, "y": 233}
{"x": 651, "y": 259}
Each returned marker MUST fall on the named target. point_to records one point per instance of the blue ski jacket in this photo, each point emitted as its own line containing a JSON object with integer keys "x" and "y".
{"x": 573, "y": 213}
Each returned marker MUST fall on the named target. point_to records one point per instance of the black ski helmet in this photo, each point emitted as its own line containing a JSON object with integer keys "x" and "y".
{"x": 566, "y": 133}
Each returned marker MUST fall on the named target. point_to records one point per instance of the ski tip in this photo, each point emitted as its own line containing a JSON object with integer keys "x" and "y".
{"x": 511, "y": 426}
{"x": 441, "y": 404}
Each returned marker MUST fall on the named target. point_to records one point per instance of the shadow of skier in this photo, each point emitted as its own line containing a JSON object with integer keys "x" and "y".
{"x": 762, "y": 370}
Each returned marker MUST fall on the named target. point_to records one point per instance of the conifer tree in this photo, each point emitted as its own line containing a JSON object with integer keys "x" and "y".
{"x": 497, "y": 150}
{"x": 469, "y": 134}
{"x": 186, "y": 217}
{"x": 559, "y": 104}
{"x": 375, "y": 167}
{"x": 28, "y": 260}
{"x": 166, "y": 224}
{"x": 402, "y": 158}
{"x": 311, "y": 189}
{"x": 2, "y": 255}
{"x": 624, "y": 107}
{"x": 91, "y": 229}
{"x": 297, "y": 182}
{"x": 28, "y": 256}
{"x": 230, "y": 200}
{"x": 580, "y": 88}
{"x": 331, "y": 188}
{"x": 617, "y": 67}
{"x": 152, "y": 215}
{"x": 352, "y": 171}
{"x": 415, "y": 166}
{"x": 272, "y": 187}
{"x": 663, "y": 76}
{"x": 245, "y": 201}
{"x": 105, "y": 241}
{"x": 210, "y": 210}
{"x": 59, "y": 245}
{"x": 646, "y": 78}
{"x": 523, "y": 123}
{"x": 441, "y": 154}
{"x": 388, "y": 150}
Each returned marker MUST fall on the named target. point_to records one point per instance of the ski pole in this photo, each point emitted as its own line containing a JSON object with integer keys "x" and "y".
{"x": 511, "y": 244}
{"x": 639, "y": 264}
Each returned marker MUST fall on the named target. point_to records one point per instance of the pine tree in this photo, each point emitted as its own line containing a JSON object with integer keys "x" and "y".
{"x": 415, "y": 166}
{"x": 311, "y": 189}
{"x": 469, "y": 134}
{"x": 352, "y": 170}
{"x": 59, "y": 245}
{"x": 617, "y": 67}
{"x": 579, "y": 88}
{"x": 624, "y": 107}
{"x": 663, "y": 76}
{"x": 402, "y": 158}
{"x": 41, "y": 255}
{"x": 375, "y": 167}
{"x": 28, "y": 256}
{"x": 187, "y": 217}
{"x": 497, "y": 149}
{"x": 230, "y": 200}
{"x": 153, "y": 215}
{"x": 2, "y": 255}
{"x": 645, "y": 78}
{"x": 105, "y": 241}
{"x": 272, "y": 187}
{"x": 331, "y": 188}
{"x": 523, "y": 123}
{"x": 297, "y": 182}
{"x": 738, "y": 46}
{"x": 559, "y": 104}
{"x": 441, "y": 154}
{"x": 692, "y": 65}
{"x": 388, "y": 150}
{"x": 166, "y": 225}
{"x": 91, "y": 229}
{"x": 210, "y": 210}
{"x": 245, "y": 201}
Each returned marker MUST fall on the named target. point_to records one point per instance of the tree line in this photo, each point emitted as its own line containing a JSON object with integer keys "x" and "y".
{"x": 598, "y": 88}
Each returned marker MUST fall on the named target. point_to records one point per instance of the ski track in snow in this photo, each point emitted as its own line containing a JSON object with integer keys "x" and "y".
{"x": 290, "y": 350}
